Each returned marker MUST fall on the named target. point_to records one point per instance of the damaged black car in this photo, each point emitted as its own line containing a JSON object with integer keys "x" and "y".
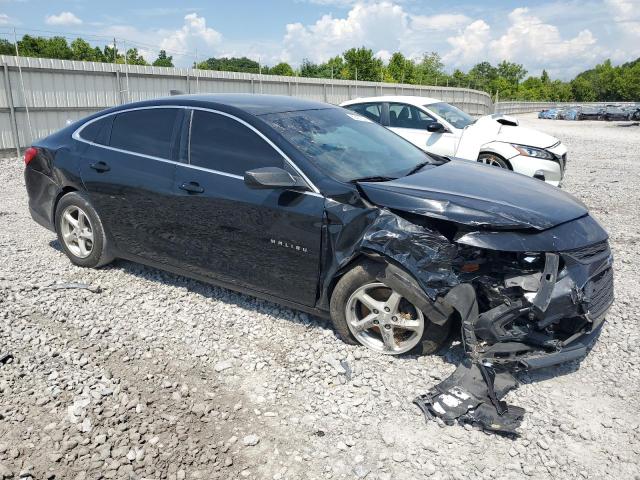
{"x": 320, "y": 209}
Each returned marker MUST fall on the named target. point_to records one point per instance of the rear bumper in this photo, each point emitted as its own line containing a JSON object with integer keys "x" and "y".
{"x": 41, "y": 219}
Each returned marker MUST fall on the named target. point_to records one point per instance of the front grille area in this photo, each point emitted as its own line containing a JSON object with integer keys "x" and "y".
{"x": 585, "y": 254}
{"x": 598, "y": 293}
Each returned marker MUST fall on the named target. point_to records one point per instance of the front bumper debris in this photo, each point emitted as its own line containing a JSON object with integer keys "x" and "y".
{"x": 472, "y": 394}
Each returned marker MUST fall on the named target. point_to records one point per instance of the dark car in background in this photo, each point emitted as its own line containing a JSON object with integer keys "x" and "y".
{"x": 614, "y": 112}
{"x": 320, "y": 209}
{"x": 590, "y": 113}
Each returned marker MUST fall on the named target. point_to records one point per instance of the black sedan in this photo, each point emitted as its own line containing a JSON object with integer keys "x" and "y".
{"x": 318, "y": 208}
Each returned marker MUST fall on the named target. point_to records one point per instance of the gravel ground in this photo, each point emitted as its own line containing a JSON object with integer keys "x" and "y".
{"x": 152, "y": 375}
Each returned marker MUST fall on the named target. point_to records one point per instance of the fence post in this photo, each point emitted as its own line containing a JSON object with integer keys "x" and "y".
{"x": 12, "y": 110}
{"x": 119, "y": 88}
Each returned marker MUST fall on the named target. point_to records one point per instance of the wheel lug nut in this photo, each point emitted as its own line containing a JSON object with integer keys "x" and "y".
{"x": 375, "y": 311}
{"x": 376, "y": 322}
{"x": 394, "y": 318}
{"x": 386, "y": 309}
{"x": 387, "y": 326}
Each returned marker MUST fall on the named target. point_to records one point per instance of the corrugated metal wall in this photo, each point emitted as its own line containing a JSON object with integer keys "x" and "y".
{"x": 56, "y": 91}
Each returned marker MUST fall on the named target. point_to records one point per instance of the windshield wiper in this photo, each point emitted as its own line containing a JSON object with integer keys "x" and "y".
{"x": 373, "y": 178}
{"x": 417, "y": 168}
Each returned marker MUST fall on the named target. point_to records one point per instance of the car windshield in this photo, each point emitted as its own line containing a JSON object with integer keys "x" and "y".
{"x": 347, "y": 146}
{"x": 451, "y": 114}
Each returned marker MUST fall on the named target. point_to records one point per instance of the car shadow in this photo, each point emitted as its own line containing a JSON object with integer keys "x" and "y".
{"x": 210, "y": 291}
{"x": 452, "y": 352}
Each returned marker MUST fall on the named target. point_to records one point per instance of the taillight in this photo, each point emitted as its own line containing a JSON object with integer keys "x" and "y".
{"x": 29, "y": 154}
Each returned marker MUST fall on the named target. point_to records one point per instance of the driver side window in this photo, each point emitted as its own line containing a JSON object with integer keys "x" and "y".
{"x": 407, "y": 116}
{"x": 226, "y": 145}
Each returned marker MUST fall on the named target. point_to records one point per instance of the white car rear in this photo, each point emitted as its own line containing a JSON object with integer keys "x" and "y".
{"x": 443, "y": 129}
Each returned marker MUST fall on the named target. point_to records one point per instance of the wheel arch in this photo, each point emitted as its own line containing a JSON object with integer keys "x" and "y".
{"x": 62, "y": 193}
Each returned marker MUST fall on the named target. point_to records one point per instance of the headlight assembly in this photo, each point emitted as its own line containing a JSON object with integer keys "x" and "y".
{"x": 533, "y": 152}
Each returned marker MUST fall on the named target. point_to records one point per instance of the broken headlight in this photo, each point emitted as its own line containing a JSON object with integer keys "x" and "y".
{"x": 533, "y": 152}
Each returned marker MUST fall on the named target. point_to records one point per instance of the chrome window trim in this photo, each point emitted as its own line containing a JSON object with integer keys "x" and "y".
{"x": 76, "y": 136}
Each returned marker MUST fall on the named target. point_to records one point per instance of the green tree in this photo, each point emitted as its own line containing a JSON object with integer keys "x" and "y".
{"x": 401, "y": 69}
{"x": 361, "y": 64}
{"x": 283, "y": 69}
{"x": 512, "y": 72}
{"x": 232, "y": 64}
{"x": 81, "y": 50}
{"x": 7, "y": 48}
{"x": 31, "y": 46}
{"x": 133, "y": 58}
{"x": 57, "y": 47}
{"x": 163, "y": 60}
{"x": 429, "y": 69}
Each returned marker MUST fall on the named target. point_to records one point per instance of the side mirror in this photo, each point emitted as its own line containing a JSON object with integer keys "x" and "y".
{"x": 272, "y": 177}
{"x": 436, "y": 127}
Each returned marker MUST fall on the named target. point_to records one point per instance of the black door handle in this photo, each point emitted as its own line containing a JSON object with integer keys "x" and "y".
{"x": 192, "y": 187}
{"x": 100, "y": 167}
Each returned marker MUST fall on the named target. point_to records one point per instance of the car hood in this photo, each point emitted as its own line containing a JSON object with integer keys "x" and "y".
{"x": 488, "y": 129}
{"x": 477, "y": 195}
{"x": 525, "y": 136}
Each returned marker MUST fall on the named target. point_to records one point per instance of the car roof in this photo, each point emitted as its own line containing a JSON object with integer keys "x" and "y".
{"x": 410, "y": 99}
{"x": 252, "y": 103}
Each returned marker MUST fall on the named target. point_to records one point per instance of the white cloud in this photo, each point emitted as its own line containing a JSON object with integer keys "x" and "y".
{"x": 439, "y": 22}
{"x": 193, "y": 34}
{"x": 372, "y": 25}
{"x": 539, "y": 45}
{"x": 381, "y": 26}
{"x": 4, "y": 19}
{"x": 63, "y": 19}
{"x": 469, "y": 46}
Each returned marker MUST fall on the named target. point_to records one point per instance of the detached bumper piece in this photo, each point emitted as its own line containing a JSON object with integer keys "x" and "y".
{"x": 472, "y": 395}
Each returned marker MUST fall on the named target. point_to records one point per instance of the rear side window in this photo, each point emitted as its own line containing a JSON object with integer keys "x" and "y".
{"x": 98, "y": 131}
{"x": 148, "y": 131}
{"x": 224, "y": 144}
{"x": 373, "y": 111}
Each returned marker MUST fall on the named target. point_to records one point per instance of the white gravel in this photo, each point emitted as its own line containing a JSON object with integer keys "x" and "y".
{"x": 157, "y": 376}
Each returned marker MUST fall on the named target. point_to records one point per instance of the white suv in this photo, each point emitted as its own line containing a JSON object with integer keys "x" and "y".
{"x": 443, "y": 129}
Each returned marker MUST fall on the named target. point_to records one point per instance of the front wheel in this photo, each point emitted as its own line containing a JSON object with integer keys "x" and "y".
{"x": 365, "y": 310}
{"x": 493, "y": 160}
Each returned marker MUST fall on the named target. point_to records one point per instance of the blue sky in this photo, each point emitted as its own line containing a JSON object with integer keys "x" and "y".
{"x": 563, "y": 37}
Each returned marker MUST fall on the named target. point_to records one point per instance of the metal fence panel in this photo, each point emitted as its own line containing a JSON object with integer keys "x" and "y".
{"x": 56, "y": 91}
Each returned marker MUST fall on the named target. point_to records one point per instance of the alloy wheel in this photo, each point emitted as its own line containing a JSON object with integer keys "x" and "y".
{"x": 77, "y": 232}
{"x": 382, "y": 319}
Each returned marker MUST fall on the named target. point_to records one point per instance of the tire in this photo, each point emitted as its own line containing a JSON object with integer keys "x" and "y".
{"x": 493, "y": 160}
{"x": 85, "y": 243}
{"x": 421, "y": 341}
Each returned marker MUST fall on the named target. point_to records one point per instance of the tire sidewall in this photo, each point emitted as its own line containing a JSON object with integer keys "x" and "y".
{"x": 98, "y": 256}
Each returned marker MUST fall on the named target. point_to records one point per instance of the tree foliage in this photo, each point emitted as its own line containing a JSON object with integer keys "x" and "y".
{"x": 507, "y": 80}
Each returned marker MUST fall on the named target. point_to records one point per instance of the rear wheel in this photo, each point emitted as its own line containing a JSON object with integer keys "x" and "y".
{"x": 80, "y": 231}
{"x": 493, "y": 160}
{"x": 367, "y": 311}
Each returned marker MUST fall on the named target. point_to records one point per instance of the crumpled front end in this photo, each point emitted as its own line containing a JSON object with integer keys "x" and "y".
{"x": 526, "y": 298}
{"x": 520, "y": 310}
